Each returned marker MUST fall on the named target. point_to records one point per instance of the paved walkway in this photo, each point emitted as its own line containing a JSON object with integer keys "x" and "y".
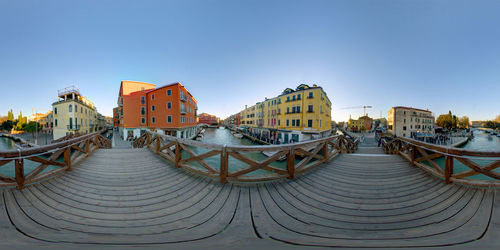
{"x": 118, "y": 142}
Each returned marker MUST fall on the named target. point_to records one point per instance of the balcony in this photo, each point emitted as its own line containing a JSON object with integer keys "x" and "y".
{"x": 184, "y": 98}
{"x": 183, "y": 111}
{"x": 310, "y": 111}
{"x": 73, "y": 127}
{"x": 310, "y": 97}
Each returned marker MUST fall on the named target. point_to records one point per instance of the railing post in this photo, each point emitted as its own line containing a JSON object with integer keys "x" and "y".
{"x": 157, "y": 144}
{"x": 325, "y": 151}
{"x": 67, "y": 158}
{"x": 87, "y": 146}
{"x": 224, "y": 158}
{"x": 448, "y": 169}
{"x": 19, "y": 173}
{"x": 413, "y": 155}
{"x": 290, "y": 163}
{"x": 178, "y": 153}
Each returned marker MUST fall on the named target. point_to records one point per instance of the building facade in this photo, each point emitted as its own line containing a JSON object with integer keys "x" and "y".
{"x": 294, "y": 116}
{"x": 207, "y": 119}
{"x": 73, "y": 113}
{"x": 410, "y": 122}
{"x": 363, "y": 123}
{"x": 169, "y": 109}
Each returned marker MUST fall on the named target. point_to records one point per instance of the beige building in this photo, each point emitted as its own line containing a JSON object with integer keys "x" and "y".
{"x": 410, "y": 122}
{"x": 73, "y": 113}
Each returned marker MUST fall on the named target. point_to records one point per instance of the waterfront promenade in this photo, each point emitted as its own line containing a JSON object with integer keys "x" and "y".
{"x": 132, "y": 197}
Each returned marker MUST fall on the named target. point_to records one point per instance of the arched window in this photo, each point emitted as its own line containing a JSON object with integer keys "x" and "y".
{"x": 70, "y": 108}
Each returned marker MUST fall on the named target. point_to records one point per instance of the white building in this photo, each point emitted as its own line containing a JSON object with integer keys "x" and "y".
{"x": 410, "y": 122}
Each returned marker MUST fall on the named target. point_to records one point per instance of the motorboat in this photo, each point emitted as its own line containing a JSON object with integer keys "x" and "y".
{"x": 239, "y": 136}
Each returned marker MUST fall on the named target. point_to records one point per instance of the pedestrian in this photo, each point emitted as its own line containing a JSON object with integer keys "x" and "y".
{"x": 379, "y": 141}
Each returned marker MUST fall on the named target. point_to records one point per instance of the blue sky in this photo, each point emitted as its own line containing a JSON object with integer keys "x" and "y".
{"x": 441, "y": 55}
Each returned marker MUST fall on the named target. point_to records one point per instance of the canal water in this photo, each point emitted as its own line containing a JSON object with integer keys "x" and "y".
{"x": 9, "y": 168}
{"x": 223, "y": 136}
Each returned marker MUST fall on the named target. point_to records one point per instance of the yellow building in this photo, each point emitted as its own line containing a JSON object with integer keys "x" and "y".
{"x": 363, "y": 123}
{"x": 295, "y": 115}
{"x": 73, "y": 113}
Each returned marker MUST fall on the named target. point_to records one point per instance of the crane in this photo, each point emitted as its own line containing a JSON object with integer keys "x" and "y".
{"x": 359, "y": 107}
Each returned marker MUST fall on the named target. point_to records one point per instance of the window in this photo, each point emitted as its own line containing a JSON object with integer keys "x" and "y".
{"x": 169, "y": 105}
{"x": 85, "y": 111}
{"x": 298, "y": 97}
{"x": 55, "y": 111}
{"x": 310, "y": 108}
{"x": 320, "y": 123}
{"x": 153, "y": 119}
{"x": 143, "y": 111}
{"x": 70, "y": 108}
{"x": 298, "y": 109}
{"x": 56, "y": 120}
{"x": 152, "y": 97}
{"x": 143, "y": 120}
{"x": 297, "y": 122}
{"x": 287, "y": 110}
{"x": 309, "y": 123}
{"x": 310, "y": 94}
{"x": 293, "y": 97}
{"x": 183, "y": 119}
{"x": 169, "y": 92}
{"x": 293, "y": 123}
{"x": 404, "y": 127}
{"x": 293, "y": 109}
{"x": 169, "y": 119}
{"x": 76, "y": 108}
{"x": 152, "y": 107}
{"x": 143, "y": 100}
{"x": 287, "y": 123}
{"x": 81, "y": 110}
{"x": 288, "y": 98}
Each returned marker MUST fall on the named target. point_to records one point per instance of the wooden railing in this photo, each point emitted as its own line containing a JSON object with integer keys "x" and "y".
{"x": 418, "y": 153}
{"x": 63, "y": 155}
{"x": 298, "y": 157}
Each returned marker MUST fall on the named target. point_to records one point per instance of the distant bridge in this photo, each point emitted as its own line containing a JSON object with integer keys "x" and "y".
{"x": 332, "y": 192}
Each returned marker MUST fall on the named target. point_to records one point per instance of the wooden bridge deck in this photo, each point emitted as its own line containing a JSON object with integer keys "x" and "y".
{"x": 130, "y": 196}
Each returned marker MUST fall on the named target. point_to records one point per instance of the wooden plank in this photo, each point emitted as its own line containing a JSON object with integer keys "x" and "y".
{"x": 290, "y": 163}
{"x": 448, "y": 169}
{"x": 19, "y": 173}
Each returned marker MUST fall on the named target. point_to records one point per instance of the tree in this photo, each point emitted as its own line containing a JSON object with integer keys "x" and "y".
{"x": 497, "y": 120}
{"x": 463, "y": 122}
{"x": 490, "y": 124}
{"x": 445, "y": 121}
{"x": 7, "y": 125}
{"x": 10, "y": 115}
{"x": 32, "y": 127}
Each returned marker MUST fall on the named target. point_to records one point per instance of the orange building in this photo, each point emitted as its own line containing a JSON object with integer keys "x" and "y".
{"x": 169, "y": 109}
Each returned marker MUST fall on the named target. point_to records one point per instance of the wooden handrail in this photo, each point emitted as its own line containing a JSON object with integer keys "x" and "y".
{"x": 314, "y": 152}
{"x": 73, "y": 152}
{"x": 417, "y": 153}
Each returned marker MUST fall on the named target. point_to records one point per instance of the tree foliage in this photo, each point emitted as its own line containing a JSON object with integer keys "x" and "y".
{"x": 10, "y": 115}
{"x": 463, "y": 122}
{"x": 32, "y": 127}
{"x": 7, "y": 125}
